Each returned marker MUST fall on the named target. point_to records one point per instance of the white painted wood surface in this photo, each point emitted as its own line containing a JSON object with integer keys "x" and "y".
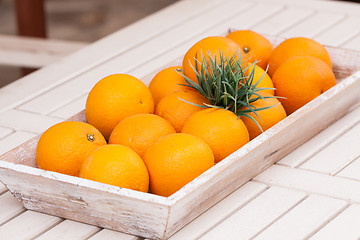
{"x": 339, "y": 29}
{"x": 34, "y": 52}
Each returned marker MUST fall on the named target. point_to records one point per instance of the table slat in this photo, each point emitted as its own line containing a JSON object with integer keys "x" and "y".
{"x": 353, "y": 43}
{"x": 106, "y": 234}
{"x": 311, "y": 182}
{"x": 302, "y": 221}
{"x": 337, "y": 154}
{"x": 69, "y": 230}
{"x": 312, "y": 25}
{"x": 71, "y": 108}
{"x": 14, "y": 140}
{"x": 4, "y": 131}
{"x": 311, "y": 147}
{"x": 9, "y": 207}
{"x": 220, "y": 211}
{"x": 344, "y": 226}
{"x": 287, "y": 18}
{"x": 20, "y": 120}
{"x": 27, "y": 225}
{"x": 256, "y": 215}
{"x": 340, "y": 33}
{"x": 352, "y": 171}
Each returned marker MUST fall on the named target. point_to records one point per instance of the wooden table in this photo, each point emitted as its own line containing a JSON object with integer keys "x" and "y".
{"x": 314, "y": 192}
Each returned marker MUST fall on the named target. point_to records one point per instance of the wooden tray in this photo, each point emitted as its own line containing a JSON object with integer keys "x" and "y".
{"x": 157, "y": 217}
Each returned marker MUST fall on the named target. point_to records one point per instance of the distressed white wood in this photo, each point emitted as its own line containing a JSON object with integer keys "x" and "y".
{"x": 244, "y": 20}
{"x": 132, "y": 59}
{"x": 311, "y": 182}
{"x": 26, "y": 121}
{"x": 69, "y": 230}
{"x": 337, "y": 154}
{"x": 353, "y": 43}
{"x": 115, "y": 44}
{"x": 32, "y": 223}
{"x": 9, "y": 207}
{"x": 70, "y": 109}
{"x": 13, "y": 140}
{"x": 283, "y": 20}
{"x": 344, "y": 226}
{"x": 305, "y": 219}
{"x": 312, "y": 25}
{"x": 2, "y": 188}
{"x": 256, "y": 215}
{"x": 311, "y": 147}
{"x": 34, "y": 52}
{"x": 350, "y": 8}
{"x": 106, "y": 234}
{"x": 5, "y": 131}
{"x": 220, "y": 211}
{"x": 351, "y": 171}
{"x": 340, "y": 33}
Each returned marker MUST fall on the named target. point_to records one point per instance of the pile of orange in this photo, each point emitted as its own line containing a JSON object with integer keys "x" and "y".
{"x": 159, "y": 138}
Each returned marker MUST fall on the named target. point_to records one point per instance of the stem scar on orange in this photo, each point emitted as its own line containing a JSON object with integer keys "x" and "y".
{"x": 63, "y": 147}
{"x": 255, "y": 46}
{"x": 114, "y": 98}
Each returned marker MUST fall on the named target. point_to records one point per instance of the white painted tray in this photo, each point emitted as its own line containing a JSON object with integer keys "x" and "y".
{"x": 156, "y": 217}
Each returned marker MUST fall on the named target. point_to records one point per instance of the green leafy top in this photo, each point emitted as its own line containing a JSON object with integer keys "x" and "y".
{"x": 228, "y": 82}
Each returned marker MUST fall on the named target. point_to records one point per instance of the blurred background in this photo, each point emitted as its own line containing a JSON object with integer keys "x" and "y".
{"x": 78, "y": 20}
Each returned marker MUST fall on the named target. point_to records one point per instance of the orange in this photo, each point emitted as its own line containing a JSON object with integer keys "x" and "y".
{"x": 265, "y": 82}
{"x": 210, "y": 46}
{"x": 300, "y": 80}
{"x": 114, "y": 98}
{"x": 175, "y": 160}
{"x": 167, "y": 81}
{"x": 266, "y": 118}
{"x": 221, "y": 129}
{"x": 63, "y": 147}
{"x": 116, "y": 165}
{"x": 294, "y": 47}
{"x": 140, "y": 131}
{"x": 257, "y": 47}
{"x": 176, "y": 111}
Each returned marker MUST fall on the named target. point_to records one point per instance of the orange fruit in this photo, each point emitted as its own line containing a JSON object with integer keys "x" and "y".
{"x": 221, "y": 129}
{"x": 210, "y": 46}
{"x": 175, "y": 160}
{"x": 257, "y": 47}
{"x": 63, "y": 147}
{"x": 295, "y": 47}
{"x": 266, "y": 118}
{"x": 116, "y": 165}
{"x": 140, "y": 131}
{"x": 114, "y": 98}
{"x": 167, "y": 81}
{"x": 265, "y": 82}
{"x": 300, "y": 80}
{"x": 176, "y": 111}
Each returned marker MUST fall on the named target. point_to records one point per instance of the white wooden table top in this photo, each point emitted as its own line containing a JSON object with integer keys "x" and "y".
{"x": 314, "y": 192}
